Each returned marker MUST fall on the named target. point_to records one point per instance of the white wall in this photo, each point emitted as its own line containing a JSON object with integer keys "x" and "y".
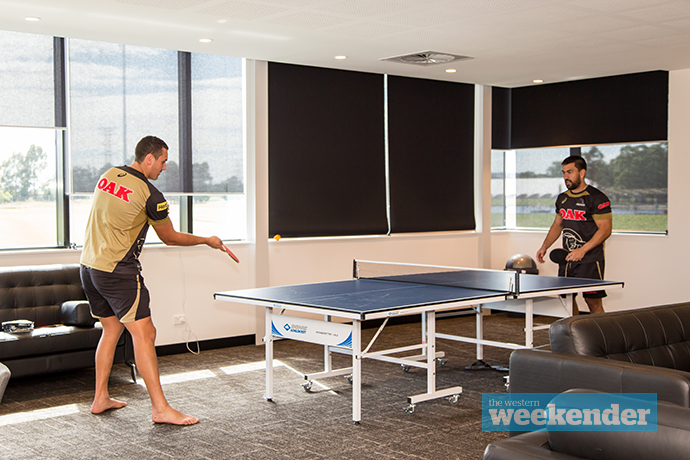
{"x": 183, "y": 280}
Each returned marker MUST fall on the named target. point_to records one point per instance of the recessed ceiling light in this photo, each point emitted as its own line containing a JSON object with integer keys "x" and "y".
{"x": 341, "y": 57}
{"x": 451, "y": 70}
{"x": 222, "y": 21}
{"x": 538, "y": 81}
{"x": 205, "y": 40}
{"x": 32, "y": 19}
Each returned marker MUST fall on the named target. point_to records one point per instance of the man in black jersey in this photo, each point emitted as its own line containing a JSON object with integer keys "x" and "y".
{"x": 584, "y": 218}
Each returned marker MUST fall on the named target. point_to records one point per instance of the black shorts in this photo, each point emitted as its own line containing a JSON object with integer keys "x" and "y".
{"x": 589, "y": 270}
{"x": 115, "y": 295}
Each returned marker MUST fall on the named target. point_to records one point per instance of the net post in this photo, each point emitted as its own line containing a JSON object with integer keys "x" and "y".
{"x": 355, "y": 275}
{"x": 517, "y": 285}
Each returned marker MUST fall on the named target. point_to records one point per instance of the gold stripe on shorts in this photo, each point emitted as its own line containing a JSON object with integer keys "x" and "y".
{"x": 132, "y": 313}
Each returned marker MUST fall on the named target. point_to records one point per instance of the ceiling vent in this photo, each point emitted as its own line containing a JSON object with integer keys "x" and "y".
{"x": 426, "y": 58}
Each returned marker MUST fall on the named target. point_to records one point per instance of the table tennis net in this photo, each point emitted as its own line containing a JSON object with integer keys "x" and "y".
{"x": 490, "y": 280}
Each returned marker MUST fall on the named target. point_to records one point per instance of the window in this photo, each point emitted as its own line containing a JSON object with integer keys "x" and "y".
{"x": 220, "y": 207}
{"x": 118, "y": 94}
{"x": 114, "y": 95}
{"x": 28, "y": 211}
{"x": 525, "y": 183}
{"x": 26, "y": 79}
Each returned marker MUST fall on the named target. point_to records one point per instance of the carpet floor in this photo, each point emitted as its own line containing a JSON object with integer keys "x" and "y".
{"x": 48, "y": 417}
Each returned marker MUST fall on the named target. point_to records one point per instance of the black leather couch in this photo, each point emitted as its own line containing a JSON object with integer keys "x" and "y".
{"x": 636, "y": 351}
{"x": 65, "y": 335}
{"x": 670, "y": 441}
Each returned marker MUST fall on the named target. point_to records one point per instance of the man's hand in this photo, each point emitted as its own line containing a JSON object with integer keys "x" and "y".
{"x": 576, "y": 255}
{"x": 551, "y": 237}
{"x": 215, "y": 242}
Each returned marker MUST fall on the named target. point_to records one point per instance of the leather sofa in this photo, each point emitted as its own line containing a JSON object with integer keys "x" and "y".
{"x": 670, "y": 441}
{"x": 65, "y": 335}
{"x": 645, "y": 350}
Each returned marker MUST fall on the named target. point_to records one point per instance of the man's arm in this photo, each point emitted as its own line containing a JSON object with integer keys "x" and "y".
{"x": 604, "y": 229}
{"x": 171, "y": 237}
{"x": 551, "y": 237}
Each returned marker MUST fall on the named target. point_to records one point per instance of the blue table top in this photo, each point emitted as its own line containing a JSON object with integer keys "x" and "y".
{"x": 363, "y": 296}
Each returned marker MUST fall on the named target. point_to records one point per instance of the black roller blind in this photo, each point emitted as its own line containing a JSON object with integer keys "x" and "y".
{"x": 326, "y": 152}
{"x": 618, "y": 109}
{"x": 431, "y": 155}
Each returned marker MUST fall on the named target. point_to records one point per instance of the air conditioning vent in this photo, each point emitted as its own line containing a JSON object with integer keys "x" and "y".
{"x": 426, "y": 58}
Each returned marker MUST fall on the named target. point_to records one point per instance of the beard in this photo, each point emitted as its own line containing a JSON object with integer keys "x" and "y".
{"x": 574, "y": 184}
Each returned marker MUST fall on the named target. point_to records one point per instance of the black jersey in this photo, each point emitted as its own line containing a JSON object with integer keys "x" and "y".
{"x": 579, "y": 212}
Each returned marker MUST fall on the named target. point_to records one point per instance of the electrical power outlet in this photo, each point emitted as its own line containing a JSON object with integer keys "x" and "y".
{"x": 179, "y": 319}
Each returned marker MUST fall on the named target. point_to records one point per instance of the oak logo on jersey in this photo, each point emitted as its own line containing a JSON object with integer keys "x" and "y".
{"x": 603, "y": 205}
{"x": 112, "y": 188}
{"x": 573, "y": 214}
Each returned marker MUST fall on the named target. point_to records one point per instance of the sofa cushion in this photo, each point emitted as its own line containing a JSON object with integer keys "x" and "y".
{"x": 48, "y": 340}
{"x": 76, "y": 313}
{"x": 655, "y": 336}
{"x": 36, "y": 292}
{"x": 670, "y": 440}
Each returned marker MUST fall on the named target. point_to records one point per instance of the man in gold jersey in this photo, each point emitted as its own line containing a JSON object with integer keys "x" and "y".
{"x": 125, "y": 203}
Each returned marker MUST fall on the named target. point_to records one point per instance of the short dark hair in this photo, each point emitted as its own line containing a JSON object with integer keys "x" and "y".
{"x": 149, "y": 144}
{"x": 579, "y": 162}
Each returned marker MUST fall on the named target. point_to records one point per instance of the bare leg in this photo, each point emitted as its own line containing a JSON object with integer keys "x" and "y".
{"x": 595, "y": 305}
{"x": 112, "y": 329}
{"x": 143, "y": 337}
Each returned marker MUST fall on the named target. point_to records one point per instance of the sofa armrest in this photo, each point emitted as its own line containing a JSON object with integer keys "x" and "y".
{"x": 534, "y": 371}
{"x": 76, "y": 313}
{"x": 528, "y": 446}
{"x": 670, "y": 440}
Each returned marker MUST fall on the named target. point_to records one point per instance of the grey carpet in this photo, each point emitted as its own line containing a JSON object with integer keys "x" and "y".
{"x": 236, "y": 422}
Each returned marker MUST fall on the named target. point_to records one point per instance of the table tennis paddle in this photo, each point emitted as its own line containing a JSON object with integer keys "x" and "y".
{"x": 558, "y": 256}
{"x": 234, "y": 257}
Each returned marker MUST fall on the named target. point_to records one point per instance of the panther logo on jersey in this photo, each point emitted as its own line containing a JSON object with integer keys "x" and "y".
{"x": 572, "y": 240}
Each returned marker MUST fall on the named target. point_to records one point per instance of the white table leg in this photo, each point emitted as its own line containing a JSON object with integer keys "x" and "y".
{"x": 327, "y": 366}
{"x": 430, "y": 351}
{"x": 356, "y": 371}
{"x": 480, "y": 331}
{"x": 268, "y": 340}
{"x": 529, "y": 323}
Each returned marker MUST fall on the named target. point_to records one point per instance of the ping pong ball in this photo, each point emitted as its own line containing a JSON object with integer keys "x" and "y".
{"x": 277, "y": 237}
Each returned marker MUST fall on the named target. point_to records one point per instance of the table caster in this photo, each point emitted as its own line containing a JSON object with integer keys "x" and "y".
{"x": 405, "y": 367}
{"x": 307, "y": 386}
{"x": 441, "y": 362}
{"x": 409, "y": 410}
{"x": 349, "y": 379}
{"x": 454, "y": 399}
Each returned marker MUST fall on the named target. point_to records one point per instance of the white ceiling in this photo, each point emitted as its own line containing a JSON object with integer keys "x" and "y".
{"x": 512, "y": 42}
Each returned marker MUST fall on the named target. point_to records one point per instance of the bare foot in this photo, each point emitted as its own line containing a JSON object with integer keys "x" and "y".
{"x": 173, "y": 417}
{"x": 99, "y": 407}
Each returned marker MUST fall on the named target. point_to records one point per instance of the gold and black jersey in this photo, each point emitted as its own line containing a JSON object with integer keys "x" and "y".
{"x": 124, "y": 204}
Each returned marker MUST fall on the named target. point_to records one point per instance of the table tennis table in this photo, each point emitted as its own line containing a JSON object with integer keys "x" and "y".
{"x": 381, "y": 290}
